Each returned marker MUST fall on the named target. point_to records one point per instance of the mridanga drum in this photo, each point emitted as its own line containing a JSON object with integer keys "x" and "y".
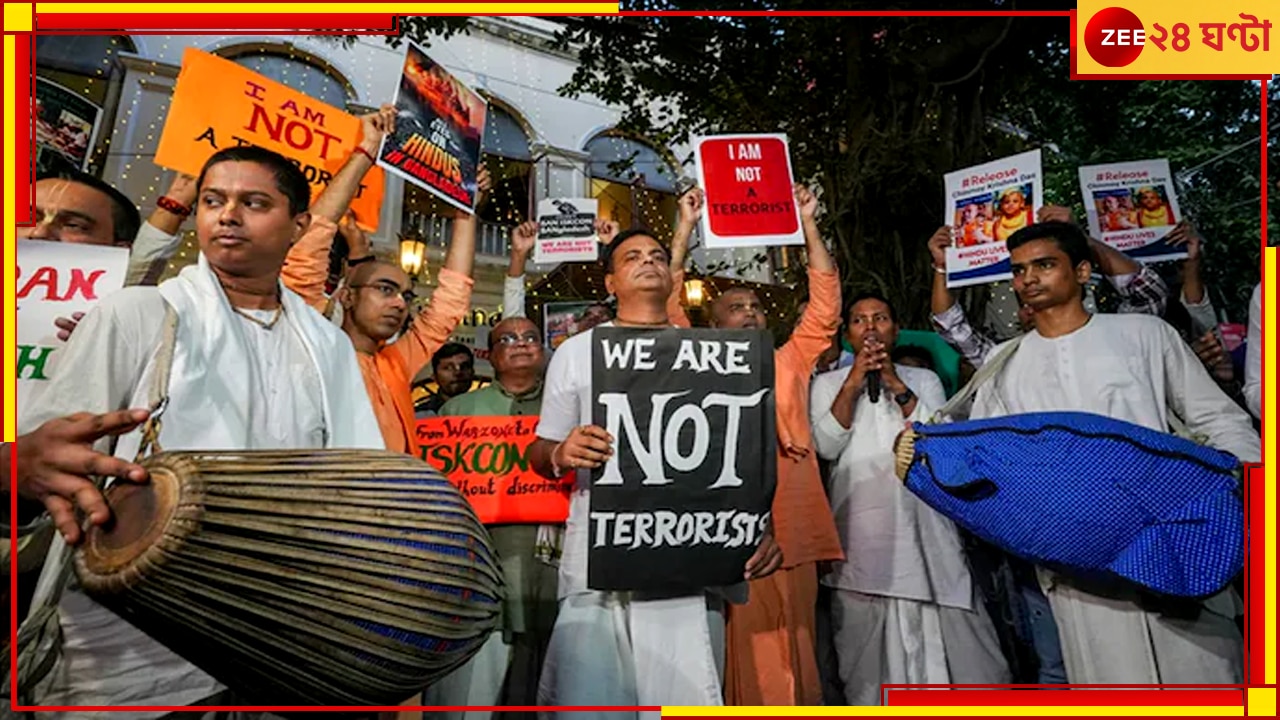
{"x": 326, "y": 577}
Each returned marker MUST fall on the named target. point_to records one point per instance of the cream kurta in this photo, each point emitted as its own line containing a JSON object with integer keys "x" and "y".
{"x": 234, "y": 385}
{"x": 1133, "y": 368}
{"x": 895, "y": 545}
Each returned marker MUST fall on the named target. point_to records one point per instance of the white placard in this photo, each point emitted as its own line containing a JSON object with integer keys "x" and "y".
{"x": 566, "y": 231}
{"x": 56, "y": 280}
{"x": 1132, "y": 206}
{"x": 985, "y": 205}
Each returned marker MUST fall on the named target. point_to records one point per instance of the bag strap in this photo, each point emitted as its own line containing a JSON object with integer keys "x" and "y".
{"x": 993, "y": 365}
{"x": 39, "y": 638}
{"x": 997, "y": 363}
{"x": 160, "y": 384}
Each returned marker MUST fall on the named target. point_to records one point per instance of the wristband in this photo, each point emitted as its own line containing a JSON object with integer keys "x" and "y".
{"x": 367, "y": 154}
{"x": 555, "y": 467}
{"x": 940, "y": 270}
{"x": 168, "y": 204}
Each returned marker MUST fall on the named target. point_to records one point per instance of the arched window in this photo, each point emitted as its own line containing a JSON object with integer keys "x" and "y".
{"x": 634, "y": 183}
{"x": 295, "y": 70}
{"x": 509, "y": 158}
{"x": 91, "y": 55}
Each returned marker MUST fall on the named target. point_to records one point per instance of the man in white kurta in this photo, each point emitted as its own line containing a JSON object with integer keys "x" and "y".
{"x": 904, "y": 608}
{"x": 242, "y": 378}
{"x": 1134, "y": 368}
{"x": 622, "y": 648}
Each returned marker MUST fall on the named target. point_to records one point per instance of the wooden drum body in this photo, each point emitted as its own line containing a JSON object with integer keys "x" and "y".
{"x": 326, "y": 577}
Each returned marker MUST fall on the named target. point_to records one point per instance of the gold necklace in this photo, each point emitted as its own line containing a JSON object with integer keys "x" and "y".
{"x": 267, "y": 325}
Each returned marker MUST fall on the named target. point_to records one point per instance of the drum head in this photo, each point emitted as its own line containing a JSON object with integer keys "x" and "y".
{"x": 119, "y": 552}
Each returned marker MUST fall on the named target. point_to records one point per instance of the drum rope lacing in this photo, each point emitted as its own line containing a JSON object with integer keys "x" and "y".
{"x": 39, "y": 638}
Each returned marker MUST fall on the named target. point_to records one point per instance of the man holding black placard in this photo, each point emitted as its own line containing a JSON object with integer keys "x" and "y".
{"x": 648, "y": 648}
{"x": 771, "y": 646}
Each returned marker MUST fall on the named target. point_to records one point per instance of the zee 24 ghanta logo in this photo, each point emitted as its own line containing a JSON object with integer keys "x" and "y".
{"x": 1115, "y": 37}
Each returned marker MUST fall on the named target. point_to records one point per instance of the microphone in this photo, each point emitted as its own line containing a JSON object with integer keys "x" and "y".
{"x": 873, "y": 380}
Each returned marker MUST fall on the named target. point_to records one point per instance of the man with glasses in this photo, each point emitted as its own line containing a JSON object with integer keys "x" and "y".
{"x": 505, "y": 671}
{"x": 375, "y": 304}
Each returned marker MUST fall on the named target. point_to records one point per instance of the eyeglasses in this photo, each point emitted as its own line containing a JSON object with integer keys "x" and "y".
{"x": 509, "y": 339}
{"x": 387, "y": 290}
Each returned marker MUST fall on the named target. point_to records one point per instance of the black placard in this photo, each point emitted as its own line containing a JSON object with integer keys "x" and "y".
{"x": 684, "y": 500}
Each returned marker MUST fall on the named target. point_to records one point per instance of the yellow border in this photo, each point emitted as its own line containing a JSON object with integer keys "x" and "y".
{"x": 10, "y": 234}
{"x": 19, "y": 18}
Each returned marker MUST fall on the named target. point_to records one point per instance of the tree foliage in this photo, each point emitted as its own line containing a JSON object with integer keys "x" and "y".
{"x": 879, "y": 108}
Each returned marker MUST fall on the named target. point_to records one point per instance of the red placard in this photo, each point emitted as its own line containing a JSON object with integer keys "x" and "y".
{"x": 750, "y": 199}
{"x": 487, "y": 459}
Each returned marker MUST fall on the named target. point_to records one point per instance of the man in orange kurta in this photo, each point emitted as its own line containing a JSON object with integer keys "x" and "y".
{"x": 375, "y": 302}
{"x": 770, "y": 653}
{"x": 376, "y": 297}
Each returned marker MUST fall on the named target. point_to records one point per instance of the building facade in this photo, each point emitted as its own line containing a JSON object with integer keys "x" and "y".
{"x": 537, "y": 143}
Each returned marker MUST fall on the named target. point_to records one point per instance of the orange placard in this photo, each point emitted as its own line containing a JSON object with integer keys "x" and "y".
{"x": 487, "y": 458}
{"x": 219, "y": 104}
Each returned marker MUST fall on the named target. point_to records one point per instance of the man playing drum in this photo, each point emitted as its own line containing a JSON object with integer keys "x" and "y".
{"x": 254, "y": 367}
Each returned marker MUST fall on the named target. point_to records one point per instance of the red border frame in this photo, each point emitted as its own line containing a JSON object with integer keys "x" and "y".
{"x": 379, "y": 24}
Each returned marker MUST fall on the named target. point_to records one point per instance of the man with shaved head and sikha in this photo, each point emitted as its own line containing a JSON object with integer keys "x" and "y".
{"x": 771, "y": 650}
{"x": 375, "y": 303}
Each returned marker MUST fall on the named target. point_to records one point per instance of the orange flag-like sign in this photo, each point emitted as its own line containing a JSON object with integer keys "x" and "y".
{"x": 487, "y": 459}
{"x": 218, "y": 104}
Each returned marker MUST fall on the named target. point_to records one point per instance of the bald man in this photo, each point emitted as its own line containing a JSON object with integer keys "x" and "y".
{"x": 375, "y": 303}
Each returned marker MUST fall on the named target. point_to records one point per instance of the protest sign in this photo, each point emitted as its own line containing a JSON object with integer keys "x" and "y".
{"x": 487, "y": 459}
{"x": 563, "y": 320}
{"x": 1132, "y": 206}
{"x": 985, "y": 205}
{"x": 684, "y": 500}
{"x": 750, "y": 199}
{"x": 439, "y": 127}
{"x": 218, "y": 104}
{"x": 66, "y": 127}
{"x": 56, "y": 280}
{"x": 567, "y": 231}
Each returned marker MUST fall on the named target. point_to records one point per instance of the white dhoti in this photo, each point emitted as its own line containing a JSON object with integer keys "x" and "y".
{"x": 1107, "y": 637}
{"x": 882, "y": 640}
{"x": 610, "y": 650}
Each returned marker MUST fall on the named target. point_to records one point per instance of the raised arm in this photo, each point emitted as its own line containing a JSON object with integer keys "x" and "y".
{"x": 160, "y": 235}
{"x": 334, "y": 200}
{"x": 523, "y": 237}
{"x": 812, "y": 335}
{"x": 690, "y": 212}
{"x": 452, "y": 297}
{"x": 306, "y": 267}
{"x": 948, "y": 317}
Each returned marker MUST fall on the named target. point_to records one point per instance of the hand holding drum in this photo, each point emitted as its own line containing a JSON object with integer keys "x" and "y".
{"x": 56, "y": 461}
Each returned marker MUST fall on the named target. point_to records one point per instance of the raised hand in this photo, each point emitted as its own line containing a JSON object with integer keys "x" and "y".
{"x": 607, "y": 230}
{"x": 938, "y": 244}
{"x": 523, "y": 238}
{"x": 806, "y": 201}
